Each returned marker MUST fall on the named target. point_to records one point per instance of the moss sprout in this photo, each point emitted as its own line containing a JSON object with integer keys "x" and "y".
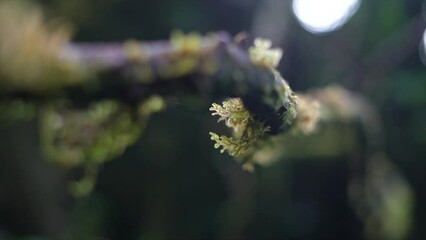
{"x": 262, "y": 54}
{"x": 247, "y": 130}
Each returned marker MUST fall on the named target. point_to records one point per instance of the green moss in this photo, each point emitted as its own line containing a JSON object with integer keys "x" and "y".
{"x": 87, "y": 138}
{"x": 247, "y": 130}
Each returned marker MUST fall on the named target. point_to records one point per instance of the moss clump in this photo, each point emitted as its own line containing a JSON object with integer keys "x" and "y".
{"x": 86, "y": 138}
{"x": 262, "y": 54}
{"x": 247, "y": 130}
{"x": 31, "y": 51}
{"x": 254, "y": 142}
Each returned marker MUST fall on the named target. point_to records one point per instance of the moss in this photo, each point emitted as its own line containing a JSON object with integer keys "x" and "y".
{"x": 31, "y": 51}
{"x": 87, "y": 138}
{"x": 247, "y": 130}
{"x": 263, "y": 55}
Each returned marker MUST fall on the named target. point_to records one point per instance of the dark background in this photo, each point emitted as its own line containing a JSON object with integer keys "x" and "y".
{"x": 172, "y": 184}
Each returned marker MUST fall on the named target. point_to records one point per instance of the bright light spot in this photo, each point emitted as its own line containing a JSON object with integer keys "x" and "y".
{"x": 423, "y": 48}
{"x": 320, "y": 16}
{"x": 424, "y": 40}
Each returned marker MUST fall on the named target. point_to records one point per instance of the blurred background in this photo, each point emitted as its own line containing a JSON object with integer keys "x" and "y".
{"x": 172, "y": 184}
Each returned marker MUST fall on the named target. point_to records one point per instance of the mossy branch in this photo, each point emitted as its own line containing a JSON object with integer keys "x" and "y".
{"x": 93, "y": 99}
